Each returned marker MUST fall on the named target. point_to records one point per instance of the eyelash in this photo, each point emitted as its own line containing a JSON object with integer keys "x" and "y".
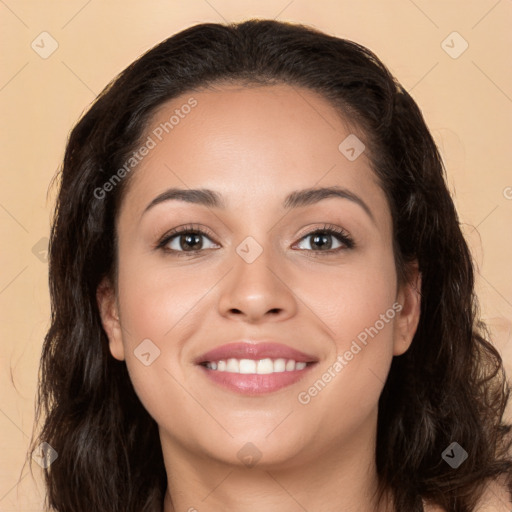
{"x": 330, "y": 229}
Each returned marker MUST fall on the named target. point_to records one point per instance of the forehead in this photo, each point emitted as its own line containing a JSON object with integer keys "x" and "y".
{"x": 252, "y": 144}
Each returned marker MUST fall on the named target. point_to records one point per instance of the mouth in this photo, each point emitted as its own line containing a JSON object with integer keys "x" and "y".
{"x": 255, "y": 368}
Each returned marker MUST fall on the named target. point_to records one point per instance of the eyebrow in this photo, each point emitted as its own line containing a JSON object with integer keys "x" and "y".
{"x": 296, "y": 199}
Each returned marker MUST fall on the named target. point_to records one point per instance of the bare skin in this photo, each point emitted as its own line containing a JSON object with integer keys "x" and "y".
{"x": 254, "y": 146}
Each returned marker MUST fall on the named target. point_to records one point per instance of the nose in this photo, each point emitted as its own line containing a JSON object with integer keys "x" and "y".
{"x": 258, "y": 291}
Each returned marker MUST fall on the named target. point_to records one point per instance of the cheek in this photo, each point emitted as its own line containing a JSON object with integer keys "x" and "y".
{"x": 352, "y": 297}
{"x": 361, "y": 304}
{"x": 158, "y": 312}
{"x": 359, "y": 307}
{"x": 154, "y": 300}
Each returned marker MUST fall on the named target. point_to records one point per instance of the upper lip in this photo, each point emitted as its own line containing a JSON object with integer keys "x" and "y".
{"x": 254, "y": 350}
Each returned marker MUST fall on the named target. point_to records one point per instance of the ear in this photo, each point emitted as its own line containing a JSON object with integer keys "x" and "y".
{"x": 407, "y": 319}
{"x": 109, "y": 312}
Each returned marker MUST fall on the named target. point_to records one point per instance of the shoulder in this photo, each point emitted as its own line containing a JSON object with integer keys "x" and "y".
{"x": 496, "y": 498}
{"x": 432, "y": 508}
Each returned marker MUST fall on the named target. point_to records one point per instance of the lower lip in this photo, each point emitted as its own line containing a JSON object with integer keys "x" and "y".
{"x": 254, "y": 384}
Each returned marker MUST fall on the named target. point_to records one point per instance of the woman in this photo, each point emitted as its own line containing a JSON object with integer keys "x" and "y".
{"x": 261, "y": 296}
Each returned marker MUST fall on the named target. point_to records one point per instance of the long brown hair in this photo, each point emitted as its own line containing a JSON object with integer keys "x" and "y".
{"x": 448, "y": 387}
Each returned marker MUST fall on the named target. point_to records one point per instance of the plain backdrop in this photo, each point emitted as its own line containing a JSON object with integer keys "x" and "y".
{"x": 452, "y": 56}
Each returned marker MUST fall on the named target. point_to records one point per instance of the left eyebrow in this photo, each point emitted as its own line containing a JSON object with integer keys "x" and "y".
{"x": 296, "y": 199}
{"x": 308, "y": 196}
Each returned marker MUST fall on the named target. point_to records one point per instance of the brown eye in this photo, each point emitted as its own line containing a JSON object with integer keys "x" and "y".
{"x": 321, "y": 240}
{"x": 186, "y": 240}
{"x": 190, "y": 241}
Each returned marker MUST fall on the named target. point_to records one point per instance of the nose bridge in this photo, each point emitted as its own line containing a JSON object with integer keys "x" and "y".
{"x": 255, "y": 286}
{"x": 253, "y": 260}
{"x": 252, "y": 265}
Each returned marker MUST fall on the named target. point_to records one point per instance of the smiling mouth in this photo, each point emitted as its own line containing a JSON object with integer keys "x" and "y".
{"x": 253, "y": 377}
{"x": 255, "y": 368}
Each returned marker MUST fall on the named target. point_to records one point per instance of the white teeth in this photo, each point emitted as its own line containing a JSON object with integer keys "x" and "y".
{"x": 233, "y": 365}
{"x": 280, "y": 365}
{"x": 265, "y": 366}
{"x": 251, "y": 366}
{"x": 247, "y": 366}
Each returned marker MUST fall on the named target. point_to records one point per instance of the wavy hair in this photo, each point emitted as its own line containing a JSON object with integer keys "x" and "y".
{"x": 450, "y": 385}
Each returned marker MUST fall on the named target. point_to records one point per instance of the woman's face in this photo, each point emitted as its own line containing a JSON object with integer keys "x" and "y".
{"x": 259, "y": 274}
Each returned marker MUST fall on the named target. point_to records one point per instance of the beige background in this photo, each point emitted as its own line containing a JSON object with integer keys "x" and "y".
{"x": 467, "y": 103}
